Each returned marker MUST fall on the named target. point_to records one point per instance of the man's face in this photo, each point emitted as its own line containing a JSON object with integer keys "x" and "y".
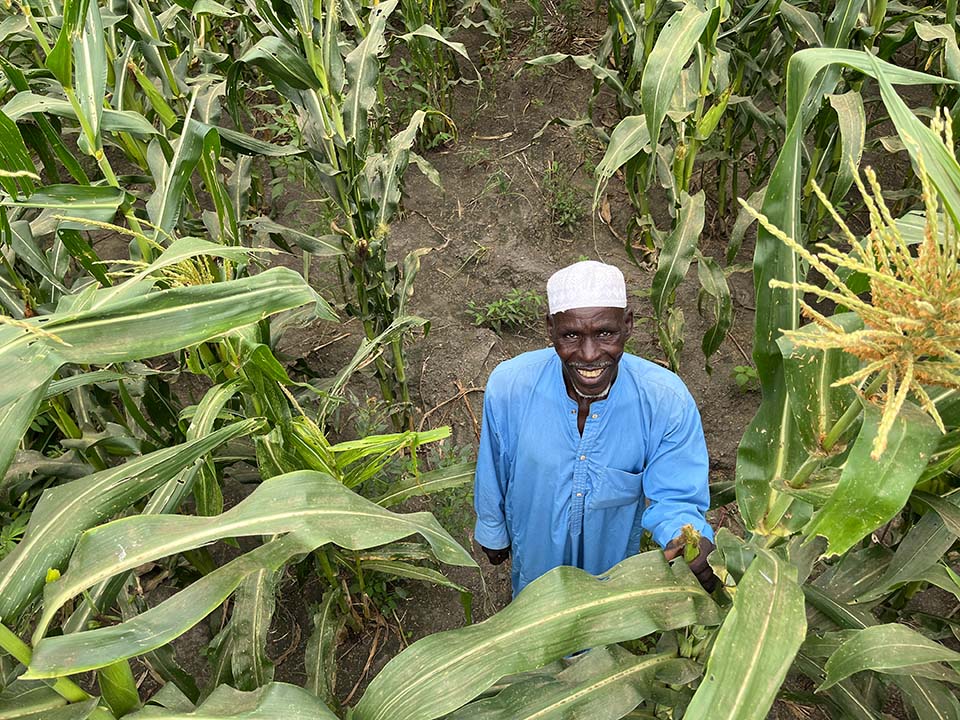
{"x": 590, "y": 342}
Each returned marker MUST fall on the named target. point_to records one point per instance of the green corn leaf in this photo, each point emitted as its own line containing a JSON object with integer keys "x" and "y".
{"x": 891, "y": 648}
{"x": 227, "y": 221}
{"x": 119, "y": 688}
{"x": 629, "y": 138}
{"x": 367, "y": 349}
{"x": 75, "y": 711}
{"x": 167, "y": 498}
{"x": 805, "y": 24}
{"x": 815, "y": 490}
{"x": 83, "y": 253}
{"x": 383, "y": 172}
{"x": 242, "y": 143}
{"x": 276, "y": 700}
{"x": 90, "y": 77}
{"x": 921, "y": 549}
{"x": 847, "y": 699}
{"x": 713, "y": 285}
{"x": 858, "y": 506}
{"x": 28, "y": 699}
{"x": 308, "y": 502}
{"x": 941, "y": 166}
{"x": 317, "y": 506}
{"x": 94, "y": 202}
{"x": 281, "y": 62}
{"x": 253, "y": 607}
{"x": 838, "y": 613}
{"x": 321, "y": 651}
{"x": 814, "y": 403}
{"x": 561, "y": 612}
{"x": 673, "y": 264}
{"x": 65, "y": 511}
{"x": 431, "y": 33}
{"x": 26, "y": 102}
{"x": 741, "y": 225}
{"x": 322, "y": 246}
{"x": 26, "y": 248}
{"x": 584, "y": 62}
{"x": 15, "y": 158}
{"x": 931, "y": 700}
{"x": 60, "y": 59}
{"x": 179, "y": 250}
{"x": 15, "y": 419}
{"x": 173, "y": 178}
{"x": 412, "y": 572}
{"x": 142, "y": 326}
{"x": 428, "y": 483}
{"x": 661, "y": 74}
{"x": 948, "y": 512}
{"x": 852, "y": 120}
{"x": 951, "y": 51}
{"x": 755, "y": 646}
{"x": 362, "y": 72}
{"x": 607, "y": 682}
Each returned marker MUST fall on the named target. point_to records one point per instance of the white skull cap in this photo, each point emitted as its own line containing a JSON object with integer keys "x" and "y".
{"x": 586, "y": 284}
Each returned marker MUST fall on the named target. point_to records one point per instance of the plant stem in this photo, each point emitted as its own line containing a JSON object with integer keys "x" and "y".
{"x": 777, "y": 510}
{"x": 119, "y": 688}
{"x": 67, "y": 689}
{"x": 781, "y": 503}
{"x": 851, "y": 414}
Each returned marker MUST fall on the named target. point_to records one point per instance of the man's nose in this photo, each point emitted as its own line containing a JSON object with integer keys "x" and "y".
{"x": 590, "y": 350}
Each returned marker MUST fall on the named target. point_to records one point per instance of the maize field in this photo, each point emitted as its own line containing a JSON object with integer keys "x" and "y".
{"x": 259, "y": 257}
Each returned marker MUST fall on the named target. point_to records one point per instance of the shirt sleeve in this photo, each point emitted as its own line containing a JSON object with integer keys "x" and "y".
{"x": 675, "y": 479}
{"x": 490, "y": 484}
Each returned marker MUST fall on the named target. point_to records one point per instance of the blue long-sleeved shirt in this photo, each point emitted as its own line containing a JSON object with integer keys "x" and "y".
{"x": 559, "y": 498}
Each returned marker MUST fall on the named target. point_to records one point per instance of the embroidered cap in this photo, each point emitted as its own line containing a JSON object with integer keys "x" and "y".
{"x": 586, "y": 284}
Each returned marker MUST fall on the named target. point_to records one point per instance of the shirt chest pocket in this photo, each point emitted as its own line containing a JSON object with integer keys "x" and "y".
{"x": 613, "y": 488}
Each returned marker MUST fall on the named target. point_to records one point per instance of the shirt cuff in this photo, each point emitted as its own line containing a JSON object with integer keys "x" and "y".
{"x": 665, "y": 533}
{"x": 491, "y": 536}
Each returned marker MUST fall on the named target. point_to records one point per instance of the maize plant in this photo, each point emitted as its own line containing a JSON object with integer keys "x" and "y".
{"x": 325, "y": 59}
{"x": 690, "y": 85}
{"x": 91, "y": 428}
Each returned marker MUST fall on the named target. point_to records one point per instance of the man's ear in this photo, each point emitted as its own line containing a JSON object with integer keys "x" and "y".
{"x": 628, "y": 321}
{"x": 549, "y": 325}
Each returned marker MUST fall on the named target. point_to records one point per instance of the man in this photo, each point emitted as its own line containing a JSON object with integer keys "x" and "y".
{"x": 583, "y": 447}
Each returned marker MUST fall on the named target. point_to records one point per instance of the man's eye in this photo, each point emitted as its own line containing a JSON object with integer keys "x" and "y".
{"x": 570, "y": 335}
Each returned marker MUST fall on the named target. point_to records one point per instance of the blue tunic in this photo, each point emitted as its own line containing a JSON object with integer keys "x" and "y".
{"x": 561, "y": 499}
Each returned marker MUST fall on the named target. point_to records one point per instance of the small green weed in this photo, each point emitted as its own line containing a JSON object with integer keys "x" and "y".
{"x": 499, "y": 181}
{"x": 12, "y": 527}
{"x": 564, "y": 201}
{"x": 518, "y": 309}
{"x": 474, "y": 156}
{"x": 453, "y": 509}
{"x": 746, "y": 377}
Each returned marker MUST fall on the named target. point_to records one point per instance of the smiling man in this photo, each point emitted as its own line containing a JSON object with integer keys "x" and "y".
{"x": 585, "y": 446}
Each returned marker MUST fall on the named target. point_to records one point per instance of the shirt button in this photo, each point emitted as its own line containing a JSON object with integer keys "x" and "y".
{"x": 579, "y": 494}
{"x": 583, "y": 457}
{"x": 594, "y": 416}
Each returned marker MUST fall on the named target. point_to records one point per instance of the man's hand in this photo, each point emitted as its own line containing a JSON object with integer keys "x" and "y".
{"x": 496, "y": 556}
{"x": 698, "y": 565}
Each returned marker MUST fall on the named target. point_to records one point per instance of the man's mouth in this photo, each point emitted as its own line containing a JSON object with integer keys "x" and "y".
{"x": 590, "y": 373}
